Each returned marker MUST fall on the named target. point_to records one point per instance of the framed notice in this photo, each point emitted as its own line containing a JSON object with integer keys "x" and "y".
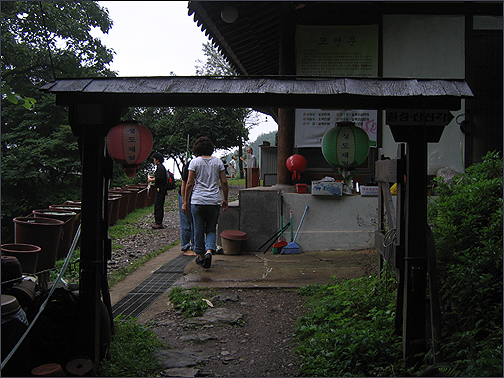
{"x": 312, "y": 124}
{"x": 337, "y": 50}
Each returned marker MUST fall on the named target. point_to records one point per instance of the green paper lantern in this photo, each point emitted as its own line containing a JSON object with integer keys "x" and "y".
{"x": 345, "y": 146}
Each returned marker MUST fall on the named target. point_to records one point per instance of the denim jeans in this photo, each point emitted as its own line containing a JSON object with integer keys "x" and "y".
{"x": 205, "y": 219}
{"x": 186, "y": 229}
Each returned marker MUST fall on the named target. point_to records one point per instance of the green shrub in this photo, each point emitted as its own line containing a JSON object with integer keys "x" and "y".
{"x": 349, "y": 329}
{"x": 466, "y": 220}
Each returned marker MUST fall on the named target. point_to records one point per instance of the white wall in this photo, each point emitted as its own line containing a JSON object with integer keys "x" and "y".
{"x": 427, "y": 46}
{"x": 423, "y": 46}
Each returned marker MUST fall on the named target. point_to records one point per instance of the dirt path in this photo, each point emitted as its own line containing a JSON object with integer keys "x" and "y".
{"x": 259, "y": 339}
{"x": 248, "y": 332}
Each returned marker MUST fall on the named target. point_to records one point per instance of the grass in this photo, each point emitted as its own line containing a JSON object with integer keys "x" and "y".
{"x": 132, "y": 351}
{"x": 191, "y": 302}
{"x": 127, "y": 227}
{"x": 122, "y": 229}
{"x": 133, "y": 347}
{"x": 236, "y": 181}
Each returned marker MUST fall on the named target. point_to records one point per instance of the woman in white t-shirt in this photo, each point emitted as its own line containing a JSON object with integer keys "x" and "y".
{"x": 203, "y": 199}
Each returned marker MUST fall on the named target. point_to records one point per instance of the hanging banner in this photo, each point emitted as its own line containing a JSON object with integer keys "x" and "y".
{"x": 337, "y": 50}
{"x": 312, "y": 124}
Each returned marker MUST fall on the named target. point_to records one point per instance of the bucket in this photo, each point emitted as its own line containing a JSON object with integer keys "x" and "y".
{"x": 43, "y": 232}
{"x": 68, "y": 217}
{"x": 27, "y": 255}
{"x": 231, "y": 241}
{"x": 301, "y": 188}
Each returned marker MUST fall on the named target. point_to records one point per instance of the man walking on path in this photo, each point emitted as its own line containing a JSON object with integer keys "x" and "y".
{"x": 160, "y": 180}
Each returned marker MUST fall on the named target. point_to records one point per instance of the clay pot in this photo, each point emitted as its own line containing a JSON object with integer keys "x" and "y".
{"x": 24, "y": 293}
{"x": 14, "y": 325}
{"x": 73, "y": 203}
{"x": 113, "y": 202}
{"x": 68, "y": 217}
{"x": 68, "y": 207}
{"x": 11, "y": 272}
{"x": 133, "y": 198}
{"x": 141, "y": 198}
{"x": 124, "y": 203}
{"x": 27, "y": 255}
{"x": 43, "y": 232}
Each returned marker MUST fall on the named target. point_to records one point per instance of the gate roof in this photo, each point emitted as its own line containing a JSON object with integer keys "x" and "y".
{"x": 262, "y": 92}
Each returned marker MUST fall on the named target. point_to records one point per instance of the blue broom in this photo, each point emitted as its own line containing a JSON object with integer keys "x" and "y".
{"x": 293, "y": 248}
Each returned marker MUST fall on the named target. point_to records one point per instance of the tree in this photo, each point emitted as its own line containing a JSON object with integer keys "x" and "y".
{"x": 170, "y": 127}
{"x": 215, "y": 65}
{"x": 42, "y": 41}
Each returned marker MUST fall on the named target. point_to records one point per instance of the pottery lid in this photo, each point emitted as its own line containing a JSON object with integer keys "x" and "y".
{"x": 47, "y": 370}
{"x": 79, "y": 366}
{"x": 9, "y": 304}
{"x": 234, "y": 235}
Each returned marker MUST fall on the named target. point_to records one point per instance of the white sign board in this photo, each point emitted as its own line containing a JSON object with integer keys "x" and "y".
{"x": 350, "y": 50}
{"x": 312, "y": 124}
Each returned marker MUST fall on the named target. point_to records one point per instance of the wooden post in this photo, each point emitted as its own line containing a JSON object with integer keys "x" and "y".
{"x": 91, "y": 124}
{"x": 415, "y": 236}
{"x": 286, "y": 116}
{"x": 415, "y": 267}
{"x": 285, "y": 144}
{"x": 92, "y": 143}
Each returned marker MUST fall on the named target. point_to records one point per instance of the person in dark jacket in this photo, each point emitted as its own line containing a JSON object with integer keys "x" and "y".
{"x": 160, "y": 179}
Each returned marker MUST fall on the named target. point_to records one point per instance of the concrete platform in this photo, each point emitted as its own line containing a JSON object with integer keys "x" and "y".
{"x": 251, "y": 270}
{"x": 258, "y": 270}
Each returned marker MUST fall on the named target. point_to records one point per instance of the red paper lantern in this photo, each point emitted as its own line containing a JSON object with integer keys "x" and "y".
{"x": 296, "y": 164}
{"x": 129, "y": 144}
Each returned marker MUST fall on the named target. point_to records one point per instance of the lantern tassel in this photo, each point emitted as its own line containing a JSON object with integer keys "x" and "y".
{"x": 347, "y": 176}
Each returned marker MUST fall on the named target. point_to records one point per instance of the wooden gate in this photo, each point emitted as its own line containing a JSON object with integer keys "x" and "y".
{"x": 390, "y": 243}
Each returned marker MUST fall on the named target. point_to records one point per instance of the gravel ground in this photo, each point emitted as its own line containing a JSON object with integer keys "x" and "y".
{"x": 260, "y": 344}
{"x": 127, "y": 251}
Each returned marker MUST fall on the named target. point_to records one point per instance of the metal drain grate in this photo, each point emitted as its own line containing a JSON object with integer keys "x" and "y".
{"x": 142, "y": 296}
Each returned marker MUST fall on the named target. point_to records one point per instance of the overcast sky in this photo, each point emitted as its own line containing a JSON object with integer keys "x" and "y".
{"x": 156, "y": 38}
